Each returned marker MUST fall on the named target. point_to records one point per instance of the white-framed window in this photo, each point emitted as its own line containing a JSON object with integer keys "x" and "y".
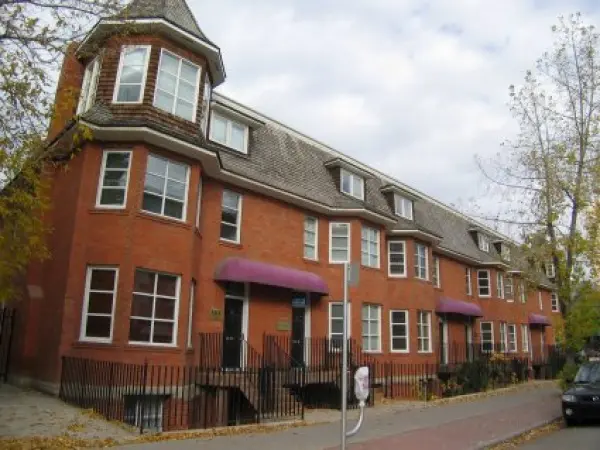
{"x": 399, "y": 337}
{"x": 540, "y": 300}
{"x": 487, "y": 336}
{"x": 89, "y": 86}
{"x": 154, "y": 308}
{"x": 229, "y": 133}
{"x": 131, "y": 75}
{"x": 352, "y": 184}
{"x": 483, "y": 283}
{"x": 423, "y": 331}
{"x": 403, "y": 207}
{"x": 369, "y": 250}
{"x": 525, "y": 338}
{"x": 336, "y": 324}
{"x": 421, "y": 262}
{"x": 550, "y": 269}
{"x": 311, "y": 238}
{"x": 177, "y": 85}
{"x": 166, "y": 187}
{"x": 231, "y": 216}
{"x": 503, "y": 337}
{"x": 199, "y": 203}
{"x": 484, "y": 242}
{"x": 191, "y": 313}
{"x": 114, "y": 179}
{"x": 555, "y": 303}
{"x": 206, "y": 96}
{"x": 505, "y": 252}
{"x": 499, "y": 284}
{"x": 146, "y": 410}
{"x": 468, "y": 282}
{"x": 371, "y": 328}
{"x": 397, "y": 258}
{"x": 437, "y": 282}
{"x": 522, "y": 292}
{"x": 339, "y": 242}
{"x": 99, "y": 304}
{"x": 508, "y": 289}
{"x": 512, "y": 337}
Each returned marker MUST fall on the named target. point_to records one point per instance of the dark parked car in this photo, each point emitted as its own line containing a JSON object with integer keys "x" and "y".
{"x": 582, "y": 400}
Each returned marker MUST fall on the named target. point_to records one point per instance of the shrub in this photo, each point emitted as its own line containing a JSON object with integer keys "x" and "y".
{"x": 568, "y": 372}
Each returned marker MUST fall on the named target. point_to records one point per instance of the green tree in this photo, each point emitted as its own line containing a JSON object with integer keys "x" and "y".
{"x": 34, "y": 36}
{"x": 583, "y": 319}
{"x": 549, "y": 173}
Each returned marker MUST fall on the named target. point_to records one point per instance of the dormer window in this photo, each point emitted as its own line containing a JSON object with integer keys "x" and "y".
{"x": 352, "y": 184}
{"x": 88, "y": 87}
{"x": 505, "y": 252}
{"x": 484, "y": 242}
{"x": 131, "y": 76}
{"x": 177, "y": 86}
{"x": 403, "y": 207}
{"x": 228, "y": 132}
{"x": 550, "y": 270}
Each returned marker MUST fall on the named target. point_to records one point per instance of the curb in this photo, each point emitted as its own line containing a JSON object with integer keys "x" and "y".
{"x": 516, "y": 434}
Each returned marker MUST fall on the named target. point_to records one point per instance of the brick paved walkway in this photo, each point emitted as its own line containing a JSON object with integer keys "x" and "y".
{"x": 456, "y": 426}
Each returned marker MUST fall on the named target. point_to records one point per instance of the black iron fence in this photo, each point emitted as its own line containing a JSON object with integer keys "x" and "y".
{"x": 170, "y": 397}
{"x": 7, "y": 324}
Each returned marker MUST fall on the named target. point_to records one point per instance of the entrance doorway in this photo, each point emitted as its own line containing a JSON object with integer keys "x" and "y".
{"x": 299, "y": 324}
{"x": 443, "y": 333}
{"x": 232, "y": 332}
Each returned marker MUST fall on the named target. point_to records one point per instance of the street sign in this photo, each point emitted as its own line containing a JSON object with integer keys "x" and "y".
{"x": 353, "y": 274}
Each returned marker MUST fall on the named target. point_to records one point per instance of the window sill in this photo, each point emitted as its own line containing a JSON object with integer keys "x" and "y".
{"x": 428, "y": 352}
{"x": 162, "y": 219}
{"x": 400, "y": 352}
{"x": 373, "y": 352}
{"x": 373, "y": 269}
{"x": 93, "y": 344}
{"x": 166, "y": 348}
{"x": 311, "y": 261}
{"x": 396, "y": 277}
{"x": 230, "y": 244}
{"x": 113, "y": 211}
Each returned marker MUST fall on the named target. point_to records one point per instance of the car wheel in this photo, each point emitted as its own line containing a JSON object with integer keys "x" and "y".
{"x": 570, "y": 421}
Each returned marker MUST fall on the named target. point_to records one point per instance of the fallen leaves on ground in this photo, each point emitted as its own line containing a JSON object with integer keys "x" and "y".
{"x": 55, "y": 443}
{"x": 536, "y": 433}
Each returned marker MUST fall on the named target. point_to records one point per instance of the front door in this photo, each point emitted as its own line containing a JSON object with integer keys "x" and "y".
{"x": 469, "y": 342}
{"x": 298, "y": 334}
{"x": 232, "y": 333}
{"x": 443, "y": 330}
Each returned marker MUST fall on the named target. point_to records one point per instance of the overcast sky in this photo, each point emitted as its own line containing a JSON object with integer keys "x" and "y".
{"x": 413, "y": 88}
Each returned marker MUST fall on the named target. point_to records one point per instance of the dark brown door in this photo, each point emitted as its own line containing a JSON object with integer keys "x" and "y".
{"x": 232, "y": 333}
{"x": 298, "y": 335}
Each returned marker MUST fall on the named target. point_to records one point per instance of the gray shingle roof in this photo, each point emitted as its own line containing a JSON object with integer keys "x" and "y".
{"x": 175, "y": 11}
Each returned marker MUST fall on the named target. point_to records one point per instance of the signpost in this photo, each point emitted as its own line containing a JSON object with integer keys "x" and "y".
{"x": 361, "y": 377}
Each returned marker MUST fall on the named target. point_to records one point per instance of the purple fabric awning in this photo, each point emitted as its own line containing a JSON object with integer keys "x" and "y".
{"x": 248, "y": 271}
{"x": 538, "y": 319}
{"x": 450, "y": 306}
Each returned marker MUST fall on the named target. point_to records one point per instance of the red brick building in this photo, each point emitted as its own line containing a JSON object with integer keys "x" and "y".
{"x": 188, "y": 214}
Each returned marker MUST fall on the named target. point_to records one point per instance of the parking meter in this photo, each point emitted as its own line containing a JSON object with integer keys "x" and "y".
{"x": 361, "y": 390}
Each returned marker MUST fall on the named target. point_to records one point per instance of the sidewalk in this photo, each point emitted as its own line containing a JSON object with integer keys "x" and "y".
{"x": 456, "y": 426}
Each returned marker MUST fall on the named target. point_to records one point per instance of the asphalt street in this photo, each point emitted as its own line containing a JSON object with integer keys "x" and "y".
{"x": 585, "y": 437}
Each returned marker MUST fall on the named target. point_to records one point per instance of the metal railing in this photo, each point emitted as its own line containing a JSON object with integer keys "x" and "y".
{"x": 7, "y": 324}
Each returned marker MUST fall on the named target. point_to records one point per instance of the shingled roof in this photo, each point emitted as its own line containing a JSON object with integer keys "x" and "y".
{"x": 175, "y": 11}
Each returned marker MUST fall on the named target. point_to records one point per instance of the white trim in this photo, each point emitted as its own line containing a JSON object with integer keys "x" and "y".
{"x": 89, "y": 86}
{"x": 229, "y": 122}
{"x": 192, "y": 298}
{"x": 445, "y": 340}
{"x": 181, "y": 60}
{"x": 101, "y": 186}
{"x": 554, "y": 301}
{"x": 403, "y": 201}
{"x": 491, "y": 342}
{"x": 468, "y": 281}
{"x": 516, "y": 342}
{"x": 164, "y": 196}
{"x": 369, "y": 320}
{"x": 479, "y": 294}
{"x": 525, "y": 338}
{"x": 407, "y": 324}
{"x": 430, "y": 346}
{"x": 483, "y": 242}
{"x": 199, "y": 203}
{"x": 148, "y": 49}
{"x": 348, "y": 237}
{"x": 86, "y": 297}
{"x": 153, "y": 319}
{"x": 503, "y": 337}
{"x": 238, "y": 224}
{"x": 540, "y": 300}
{"x": 348, "y": 324}
{"x": 417, "y": 263}
{"x": 499, "y": 284}
{"x": 437, "y": 280}
{"x": 307, "y": 326}
{"x": 510, "y": 299}
{"x": 390, "y": 274}
{"x": 316, "y": 242}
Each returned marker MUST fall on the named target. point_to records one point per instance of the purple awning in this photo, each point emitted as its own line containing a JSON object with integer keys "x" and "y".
{"x": 450, "y": 306}
{"x": 538, "y": 319}
{"x": 248, "y": 271}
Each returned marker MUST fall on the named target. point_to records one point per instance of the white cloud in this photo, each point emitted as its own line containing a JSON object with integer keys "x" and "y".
{"x": 414, "y": 89}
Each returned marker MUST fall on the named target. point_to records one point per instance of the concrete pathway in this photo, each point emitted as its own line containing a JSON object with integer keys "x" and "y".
{"x": 585, "y": 437}
{"x": 27, "y": 413}
{"x": 455, "y": 426}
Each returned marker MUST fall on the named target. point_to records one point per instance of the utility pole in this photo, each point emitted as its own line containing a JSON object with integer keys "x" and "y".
{"x": 345, "y": 356}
